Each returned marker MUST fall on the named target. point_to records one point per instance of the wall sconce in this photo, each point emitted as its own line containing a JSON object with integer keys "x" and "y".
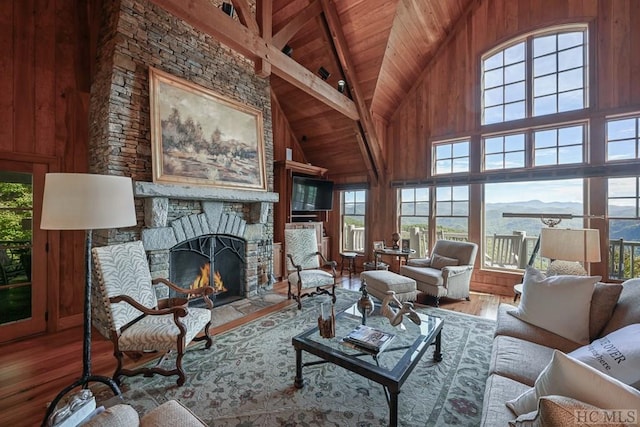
{"x": 324, "y": 74}
{"x": 341, "y": 86}
{"x": 227, "y": 8}
{"x": 287, "y": 50}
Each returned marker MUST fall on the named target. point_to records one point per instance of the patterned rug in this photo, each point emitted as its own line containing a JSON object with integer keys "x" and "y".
{"x": 246, "y": 378}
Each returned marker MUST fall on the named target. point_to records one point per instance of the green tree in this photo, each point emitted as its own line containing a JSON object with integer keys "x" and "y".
{"x": 16, "y": 202}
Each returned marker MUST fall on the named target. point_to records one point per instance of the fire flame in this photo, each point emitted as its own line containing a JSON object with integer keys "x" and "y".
{"x": 218, "y": 284}
{"x": 203, "y": 279}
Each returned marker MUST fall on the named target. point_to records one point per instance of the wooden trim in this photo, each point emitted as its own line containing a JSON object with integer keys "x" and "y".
{"x": 298, "y": 167}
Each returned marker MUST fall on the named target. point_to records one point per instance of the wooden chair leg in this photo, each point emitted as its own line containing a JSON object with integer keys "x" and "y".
{"x": 206, "y": 337}
{"x": 181, "y": 376}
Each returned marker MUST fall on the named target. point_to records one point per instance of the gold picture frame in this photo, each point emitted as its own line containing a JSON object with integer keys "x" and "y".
{"x": 202, "y": 138}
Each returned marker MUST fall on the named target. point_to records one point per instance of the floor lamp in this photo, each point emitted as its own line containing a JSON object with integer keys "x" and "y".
{"x": 75, "y": 201}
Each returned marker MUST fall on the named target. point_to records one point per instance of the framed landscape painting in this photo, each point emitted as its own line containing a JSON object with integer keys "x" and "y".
{"x": 202, "y": 138}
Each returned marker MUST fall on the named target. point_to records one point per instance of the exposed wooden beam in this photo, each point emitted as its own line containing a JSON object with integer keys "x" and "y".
{"x": 243, "y": 9}
{"x": 292, "y": 27}
{"x": 264, "y": 16}
{"x": 369, "y": 144}
{"x": 213, "y": 21}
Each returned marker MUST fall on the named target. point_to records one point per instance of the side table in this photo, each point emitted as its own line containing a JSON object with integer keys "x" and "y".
{"x": 517, "y": 290}
{"x": 351, "y": 262}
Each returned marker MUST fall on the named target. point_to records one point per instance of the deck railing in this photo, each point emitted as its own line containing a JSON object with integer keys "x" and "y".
{"x": 623, "y": 255}
{"x": 353, "y": 238}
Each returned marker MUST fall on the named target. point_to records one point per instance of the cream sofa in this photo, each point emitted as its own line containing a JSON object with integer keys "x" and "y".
{"x": 447, "y": 272}
{"x": 521, "y": 351}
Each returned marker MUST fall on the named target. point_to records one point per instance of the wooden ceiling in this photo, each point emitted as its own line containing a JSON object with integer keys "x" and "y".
{"x": 379, "y": 47}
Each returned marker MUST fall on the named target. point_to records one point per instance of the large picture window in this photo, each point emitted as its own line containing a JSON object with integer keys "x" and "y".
{"x": 509, "y": 242}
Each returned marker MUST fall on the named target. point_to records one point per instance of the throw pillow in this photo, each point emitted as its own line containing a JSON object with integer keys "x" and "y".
{"x": 566, "y": 376}
{"x": 561, "y": 411}
{"x": 439, "y": 261}
{"x": 604, "y": 300}
{"x": 617, "y": 354}
{"x": 559, "y": 304}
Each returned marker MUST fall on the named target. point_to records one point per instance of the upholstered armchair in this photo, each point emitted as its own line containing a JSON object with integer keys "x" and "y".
{"x": 127, "y": 311}
{"x": 304, "y": 263}
{"x": 447, "y": 272}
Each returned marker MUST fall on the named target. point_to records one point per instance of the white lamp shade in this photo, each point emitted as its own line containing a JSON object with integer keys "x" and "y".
{"x": 77, "y": 201}
{"x": 581, "y": 245}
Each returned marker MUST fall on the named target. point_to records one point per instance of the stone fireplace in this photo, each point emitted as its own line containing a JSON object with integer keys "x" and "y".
{"x": 136, "y": 35}
{"x": 188, "y": 227}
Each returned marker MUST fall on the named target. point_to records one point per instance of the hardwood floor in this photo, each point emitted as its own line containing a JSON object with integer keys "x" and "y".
{"x": 33, "y": 371}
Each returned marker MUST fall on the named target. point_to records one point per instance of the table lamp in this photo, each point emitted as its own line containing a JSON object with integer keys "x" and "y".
{"x": 566, "y": 248}
{"x": 76, "y": 201}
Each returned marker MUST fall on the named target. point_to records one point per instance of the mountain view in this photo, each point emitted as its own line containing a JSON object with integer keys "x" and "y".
{"x": 495, "y": 223}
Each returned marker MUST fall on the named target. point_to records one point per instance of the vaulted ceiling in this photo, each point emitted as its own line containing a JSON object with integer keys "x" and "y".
{"x": 378, "y": 47}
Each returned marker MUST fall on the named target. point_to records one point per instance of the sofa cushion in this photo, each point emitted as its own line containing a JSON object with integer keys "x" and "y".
{"x": 617, "y": 354}
{"x": 559, "y": 304}
{"x": 498, "y": 390}
{"x": 510, "y": 325}
{"x": 569, "y": 377}
{"x": 627, "y": 310}
{"x": 440, "y": 261}
{"x": 604, "y": 300}
{"x": 428, "y": 275}
{"x": 518, "y": 359}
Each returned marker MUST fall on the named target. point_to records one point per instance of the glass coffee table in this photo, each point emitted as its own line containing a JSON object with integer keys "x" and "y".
{"x": 391, "y": 368}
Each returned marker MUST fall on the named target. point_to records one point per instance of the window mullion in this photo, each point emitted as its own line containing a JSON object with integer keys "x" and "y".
{"x": 529, "y": 77}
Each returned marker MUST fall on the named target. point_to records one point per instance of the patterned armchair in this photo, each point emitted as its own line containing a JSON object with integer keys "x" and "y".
{"x": 303, "y": 265}
{"x": 127, "y": 311}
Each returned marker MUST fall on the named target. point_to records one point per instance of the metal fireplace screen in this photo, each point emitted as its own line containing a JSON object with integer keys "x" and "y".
{"x": 216, "y": 260}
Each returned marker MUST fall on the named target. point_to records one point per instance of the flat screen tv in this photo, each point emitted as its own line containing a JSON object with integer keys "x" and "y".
{"x": 311, "y": 194}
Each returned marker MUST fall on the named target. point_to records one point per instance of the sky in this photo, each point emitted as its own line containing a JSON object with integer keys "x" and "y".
{"x": 569, "y": 190}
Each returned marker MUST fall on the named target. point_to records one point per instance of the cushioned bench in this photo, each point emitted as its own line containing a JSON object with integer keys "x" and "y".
{"x": 380, "y": 281}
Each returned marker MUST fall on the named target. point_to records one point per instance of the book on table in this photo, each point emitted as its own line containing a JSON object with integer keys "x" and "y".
{"x": 369, "y": 338}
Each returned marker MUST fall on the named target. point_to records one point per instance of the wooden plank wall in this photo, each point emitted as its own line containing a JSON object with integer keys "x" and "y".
{"x": 444, "y": 102}
{"x": 44, "y": 117}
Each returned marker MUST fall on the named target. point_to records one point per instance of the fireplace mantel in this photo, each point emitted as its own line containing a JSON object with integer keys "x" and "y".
{"x": 149, "y": 189}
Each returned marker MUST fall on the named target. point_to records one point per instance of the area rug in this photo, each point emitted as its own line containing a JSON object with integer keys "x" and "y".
{"x": 246, "y": 378}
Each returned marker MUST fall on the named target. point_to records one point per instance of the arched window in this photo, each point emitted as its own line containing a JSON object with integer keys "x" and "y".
{"x": 540, "y": 74}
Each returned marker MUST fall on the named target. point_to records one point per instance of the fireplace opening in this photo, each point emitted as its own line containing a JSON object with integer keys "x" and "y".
{"x": 216, "y": 260}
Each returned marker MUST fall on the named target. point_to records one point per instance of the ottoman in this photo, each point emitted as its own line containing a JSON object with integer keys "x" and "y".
{"x": 380, "y": 281}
